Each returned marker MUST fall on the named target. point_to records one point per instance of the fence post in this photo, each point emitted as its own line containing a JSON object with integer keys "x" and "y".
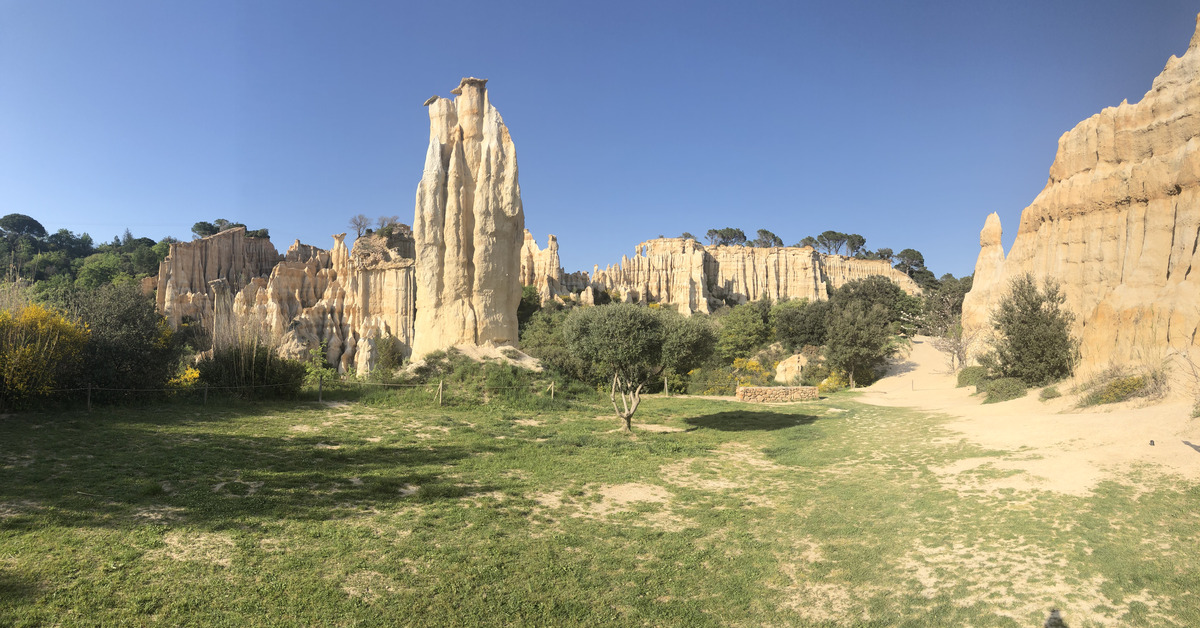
{"x": 551, "y": 390}
{"x": 320, "y": 385}
{"x": 206, "y": 394}
{"x": 89, "y": 397}
{"x": 439, "y": 392}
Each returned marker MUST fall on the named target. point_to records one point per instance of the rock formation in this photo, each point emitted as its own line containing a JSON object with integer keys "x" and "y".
{"x": 684, "y": 274}
{"x": 305, "y": 299}
{"x": 468, "y": 226}
{"x": 184, "y": 276}
{"x": 1117, "y": 225}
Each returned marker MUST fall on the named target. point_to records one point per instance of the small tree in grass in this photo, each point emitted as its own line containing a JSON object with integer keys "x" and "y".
{"x": 635, "y": 344}
{"x": 859, "y": 338}
{"x": 1033, "y": 334}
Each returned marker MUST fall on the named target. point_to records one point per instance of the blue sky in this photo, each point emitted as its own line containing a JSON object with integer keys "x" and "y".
{"x": 905, "y": 122}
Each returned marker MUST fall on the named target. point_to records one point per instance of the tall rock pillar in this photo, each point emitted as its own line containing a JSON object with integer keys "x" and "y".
{"x": 469, "y": 226}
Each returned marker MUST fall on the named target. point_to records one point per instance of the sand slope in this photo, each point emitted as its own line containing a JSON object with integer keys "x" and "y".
{"x": 1054, "y": 445}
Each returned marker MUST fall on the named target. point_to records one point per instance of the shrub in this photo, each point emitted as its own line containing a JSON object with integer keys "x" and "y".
{"x": 1033, "y": 340}
{"x": 1117, "y": 390}
{"x": 39, "y": 349}
{"x": 744, "y": 330}
{"x": 1003, "y": 389}
{"x": 1048, "y": 393}
{"x": 836, "y": 381}
{"x": 251, "y": 369}
{"x": 972, "y": 376}
{"x": 859, "y": 340}
{"x": 724, "y": 379}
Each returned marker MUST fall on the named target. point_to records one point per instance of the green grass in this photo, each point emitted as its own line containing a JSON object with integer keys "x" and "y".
{"x": 829, "y": 513}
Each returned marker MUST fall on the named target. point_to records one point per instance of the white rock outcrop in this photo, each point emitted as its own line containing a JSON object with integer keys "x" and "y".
{"x": 1117, "y": 225}
{"x": 468, "y": 225}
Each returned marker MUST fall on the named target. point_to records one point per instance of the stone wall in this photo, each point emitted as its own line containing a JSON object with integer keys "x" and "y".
{"x": 776, "y": 394}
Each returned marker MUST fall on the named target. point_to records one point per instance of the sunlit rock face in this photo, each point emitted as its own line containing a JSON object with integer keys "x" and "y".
{"x": 307, "y": 299}
{"x": 1117, "y": 225}
{"x": 468, "y": 225}
{"x": 682, "y": 273}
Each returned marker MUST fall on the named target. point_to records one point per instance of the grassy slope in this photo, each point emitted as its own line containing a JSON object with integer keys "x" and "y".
{"x": 824, "y": 513}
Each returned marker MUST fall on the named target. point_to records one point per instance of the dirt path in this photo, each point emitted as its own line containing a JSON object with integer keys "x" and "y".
{"x": 1057, "y": 446}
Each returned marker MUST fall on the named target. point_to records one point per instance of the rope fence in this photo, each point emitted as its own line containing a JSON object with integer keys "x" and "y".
{"x": 202, "y": 390}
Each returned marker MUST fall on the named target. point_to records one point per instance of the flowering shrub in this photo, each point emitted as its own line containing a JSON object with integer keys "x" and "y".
{"x": 38, "y": 350}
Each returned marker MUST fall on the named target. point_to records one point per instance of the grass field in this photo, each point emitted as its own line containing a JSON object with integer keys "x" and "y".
{"x": 714, "y": 513}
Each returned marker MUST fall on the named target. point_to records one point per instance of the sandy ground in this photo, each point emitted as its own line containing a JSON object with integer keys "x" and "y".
{"x": 1056, "y": 445}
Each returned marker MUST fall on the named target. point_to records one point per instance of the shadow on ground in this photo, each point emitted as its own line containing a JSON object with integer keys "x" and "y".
{"x": 749, "y": 420}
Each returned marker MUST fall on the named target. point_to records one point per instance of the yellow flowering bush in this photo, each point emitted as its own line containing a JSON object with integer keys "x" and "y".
{"x": 38, "y": 350}
{"x": 186, "y": 379}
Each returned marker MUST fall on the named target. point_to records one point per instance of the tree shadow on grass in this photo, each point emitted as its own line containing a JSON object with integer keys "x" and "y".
{"x": 116, "y": 470}
{"x": 749, "y": 420}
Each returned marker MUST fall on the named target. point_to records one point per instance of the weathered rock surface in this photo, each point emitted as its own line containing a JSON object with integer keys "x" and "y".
{"x": 542, "y": 269}
{"x": 681, "y": 272}
{"x": 306, "y": 298}
{"x": 184, "y": 276}
{"x": 1117, "y": 225}
{"x": 789, "y": 369}
{"x": 468, "y": 226}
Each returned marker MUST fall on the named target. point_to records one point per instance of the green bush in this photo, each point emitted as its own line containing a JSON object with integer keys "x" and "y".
{"x": 1048, "y": 393}
{"x": 39, "y": 349}
{"x": 1033, "y": 339}
{"x": 251, "y": 369}
{"x": 1119, "y": 389}
{"x": 1003, "y": 389}
{"x": 972, "y": 376}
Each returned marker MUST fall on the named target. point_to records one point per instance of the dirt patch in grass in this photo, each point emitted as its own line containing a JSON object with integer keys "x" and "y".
{"x": 615, "y": 500}
{"x": 654, "y": 427}
{"x": 369, "y": 586}
{"x": 158, "y": 514}
{"x": 528, "y": 422}
{"x": 204, "y": 547}
{"x": 822, "y": 602}
{"x": 303, "y": 429}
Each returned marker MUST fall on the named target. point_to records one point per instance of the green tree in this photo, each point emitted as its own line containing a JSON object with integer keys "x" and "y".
{"x": 800, "y": 323}
{"x": 531, "y": 302}
{"x": 831, "y": 241}
{"x": 542, "y": 338}
{"x": 766, "y": 240}
{"x": 878, "y": 290}
{"x": 1033, "y": 339}
{"x": 687, "y": 342}
{"x": 854, "y": 244}
{"x": 744, "y": 330}
{"x": 633, "y": 343}
{"x": 687, "y": 236}
{"x": 808, "y": 241}
{"x": 100, "y": 269}
{"x": 15, "y": 226}
{"x": 729, "y": 236}
{"x": 859, "y": 340}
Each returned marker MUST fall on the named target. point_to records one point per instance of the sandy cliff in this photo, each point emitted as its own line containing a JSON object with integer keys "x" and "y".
{"x": 1117, "y": 225}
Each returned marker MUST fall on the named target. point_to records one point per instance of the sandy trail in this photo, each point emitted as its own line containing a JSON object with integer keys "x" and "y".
{"x": 1057, "y": 446}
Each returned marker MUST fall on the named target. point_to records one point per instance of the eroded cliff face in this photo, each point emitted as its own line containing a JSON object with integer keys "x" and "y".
{"x": 306, "y": 299}
{"x": 684, "y": 274}
{"x": 468, "y": 226}
{"x": 184, "y": 276}
{"x": 1117, "y": 225}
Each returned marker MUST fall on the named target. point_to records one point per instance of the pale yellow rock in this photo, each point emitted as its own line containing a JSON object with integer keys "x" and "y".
{"x": 682, "y": 273}
{"x": 1117, "y": 226}
{"x": 184, "y": 276}
{"x": 468, "y": 226}
{"x": 788, "y": 370}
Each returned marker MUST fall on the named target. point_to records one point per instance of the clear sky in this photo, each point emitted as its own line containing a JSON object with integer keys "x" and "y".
{"x": 906, "y": 122}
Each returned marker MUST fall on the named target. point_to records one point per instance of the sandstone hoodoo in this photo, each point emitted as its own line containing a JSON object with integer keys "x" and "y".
{"x": 469, "y": 226}
{"x": 686, "y": 275}
{"x": 1117, "y": 225}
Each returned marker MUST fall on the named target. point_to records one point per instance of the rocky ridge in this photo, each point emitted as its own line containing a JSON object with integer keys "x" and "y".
{"x": 1117, "y": 225}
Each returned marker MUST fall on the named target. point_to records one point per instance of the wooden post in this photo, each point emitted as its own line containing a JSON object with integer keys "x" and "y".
{"x": 320, "y": 385}
{"x": 551, "y": 390}
{"x": 89, "y": 397}
{"x": 439, "y": 392}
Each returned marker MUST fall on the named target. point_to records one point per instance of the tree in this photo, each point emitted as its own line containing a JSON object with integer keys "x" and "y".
{"x": 860, "y": 339}
{"x": 878, "y": 290}
{"x": 687, "y": 236}
{"x": 942, "y": 320}
{"x": 15, "y": 226}
{"x": 360, "y": 223}
{"x": 629, "y": 341}
{"x": 729, "y": 236}
{"x": 386, "y": 221}
{"x": 1033, "y": 339}
{"x": 884, "y": 253}
{"x": 744, "y": 330}
{"x": 687, "y": 342}
{"x": 530, "y": 303}
{"x": 831, "y": 241}
{"x": 766, "y": 240}
{"x": 808, "y": 241}
{"x": 204, "y": 229}
{"x": 854, "y": 244}
{"x": 909, "y": 261}
{"x": 799, "y": 324}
